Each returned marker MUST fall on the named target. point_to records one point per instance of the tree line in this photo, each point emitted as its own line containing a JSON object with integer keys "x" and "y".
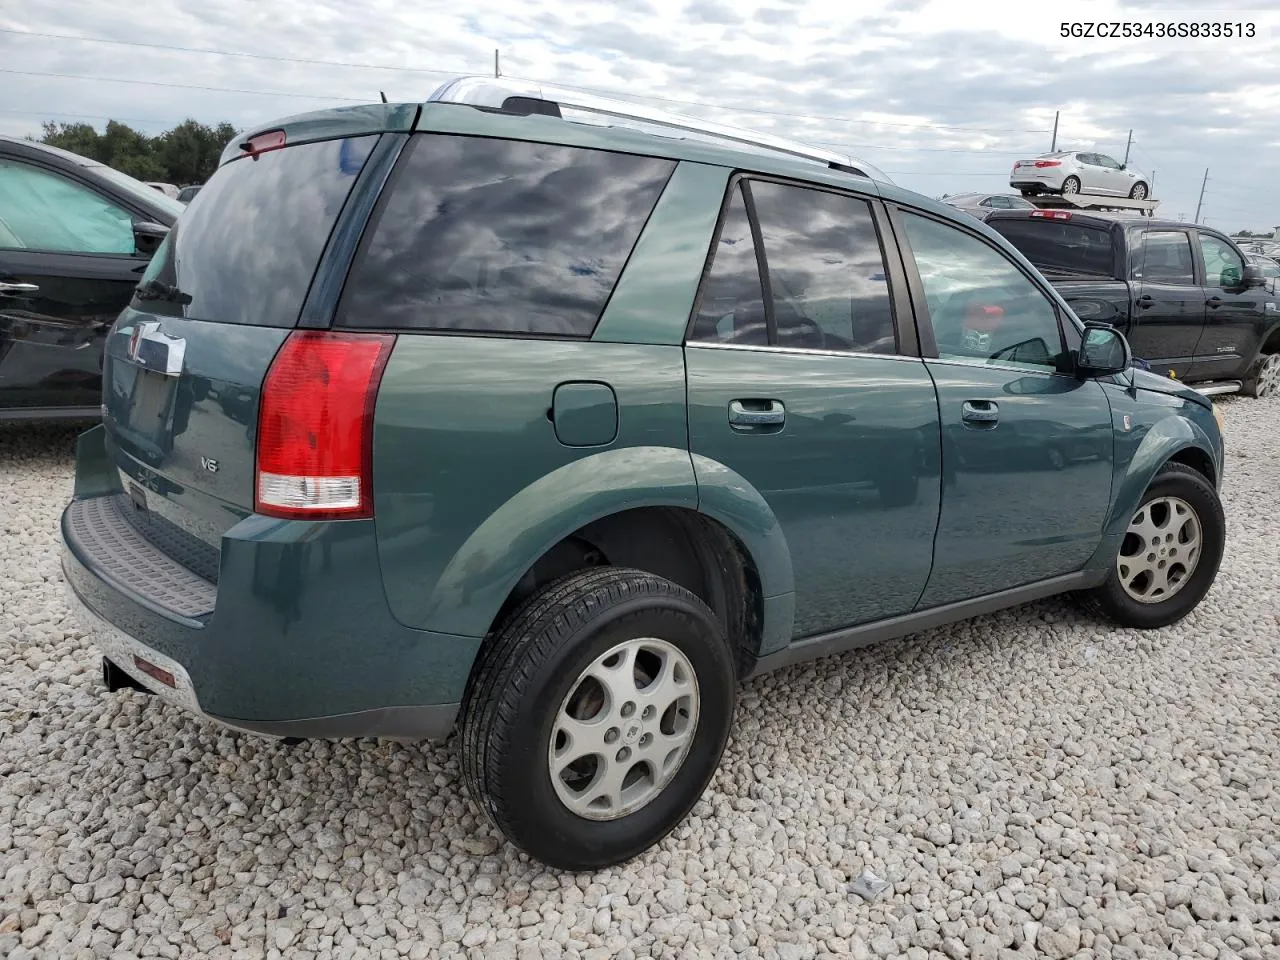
{"x": 186, "y": 154}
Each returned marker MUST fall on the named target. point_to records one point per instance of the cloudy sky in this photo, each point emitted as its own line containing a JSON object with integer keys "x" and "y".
{"x": 942, "y": 96}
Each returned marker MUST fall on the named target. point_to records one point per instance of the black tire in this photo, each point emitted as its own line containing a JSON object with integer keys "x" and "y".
{"x": 1139, "y": 191}
{"x": 1111, "y": 601}
{"x": 1072, "y": 179}
{"x": 533, "y": 663}
{"x": 1260, "y": 381}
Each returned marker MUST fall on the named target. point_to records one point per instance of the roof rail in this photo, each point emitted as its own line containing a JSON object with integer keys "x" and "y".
{"x": 517, "y": 96}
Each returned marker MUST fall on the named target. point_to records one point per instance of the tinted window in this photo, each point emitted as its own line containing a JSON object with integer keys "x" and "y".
{"x": 982, "y": 306}
{"x": 1164, "y": 256}
{"x": 1222, "y": 265}
{"x": 246, "y": 248}
{"x": 1060, "y": 244}
{"x": 40, "y": 210}
{"x": 1105, "y": 161}
{"x": 486, "y": 235}
{"x": 826, "y": 269}
{"x": 731, "y": 309}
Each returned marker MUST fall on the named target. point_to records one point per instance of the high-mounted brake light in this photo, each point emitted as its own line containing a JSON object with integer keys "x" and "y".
{"x": 1052, "y": 214}
{"x": 315, "y": 426}
{"x": 271, "y": 140}
{"x": 1048, "y": 163}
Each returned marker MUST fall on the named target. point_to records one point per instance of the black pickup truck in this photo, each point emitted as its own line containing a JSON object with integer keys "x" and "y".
{"x": 1185, "y": 296}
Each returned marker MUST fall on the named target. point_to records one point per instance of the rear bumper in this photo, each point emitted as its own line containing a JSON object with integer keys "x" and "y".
{"x": 295, "y": 638}
{"x": 1043, "y": 181}
{"x": 429, "y": 722}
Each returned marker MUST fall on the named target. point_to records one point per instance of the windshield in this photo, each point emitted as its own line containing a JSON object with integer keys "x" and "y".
{"x": 1061, "y": 246}
{"x": 138, "y": 189}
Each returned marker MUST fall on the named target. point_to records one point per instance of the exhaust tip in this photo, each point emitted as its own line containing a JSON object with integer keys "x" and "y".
{"x": 116, "y": 679}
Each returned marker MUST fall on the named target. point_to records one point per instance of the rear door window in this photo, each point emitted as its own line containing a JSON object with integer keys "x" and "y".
{"x": 827, "y": 288}
{"x": 1164, "y": 256}
{"x": 247, "y": 247}
{"x": 500, "y": 236}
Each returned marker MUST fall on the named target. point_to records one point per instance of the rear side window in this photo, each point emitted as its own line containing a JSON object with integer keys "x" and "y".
{"x": 1060, "y": 245}
{"x": 500, "y": 236}
{"x": 246, "y": 248}
{"x": 1164, "y": 256}
{"x": 825, "y": 269}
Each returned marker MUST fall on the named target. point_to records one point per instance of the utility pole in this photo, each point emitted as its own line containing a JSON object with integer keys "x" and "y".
{"x": 1126, "y": 148}
{"x": 1054, "y": 146}
{"x": 1201, "y": 200}
{"x": 496, "y": 74}
{"x": 1152, "y": 192}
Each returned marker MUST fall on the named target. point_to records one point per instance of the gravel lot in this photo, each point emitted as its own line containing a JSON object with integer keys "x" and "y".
{"x": 1031, "y": 783}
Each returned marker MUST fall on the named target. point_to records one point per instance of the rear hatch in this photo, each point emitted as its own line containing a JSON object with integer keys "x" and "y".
{"x": 185, "y": 363}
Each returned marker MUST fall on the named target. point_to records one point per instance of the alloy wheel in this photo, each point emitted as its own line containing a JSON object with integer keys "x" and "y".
{"x": 1160, "y": 550}
{"x": 624, "y": 729}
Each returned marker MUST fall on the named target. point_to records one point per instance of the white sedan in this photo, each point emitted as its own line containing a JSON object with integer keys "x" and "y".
{"x": 1071, "y": 172}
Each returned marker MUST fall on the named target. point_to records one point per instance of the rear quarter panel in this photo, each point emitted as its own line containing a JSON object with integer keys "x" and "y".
{"x": 471, "y": 482}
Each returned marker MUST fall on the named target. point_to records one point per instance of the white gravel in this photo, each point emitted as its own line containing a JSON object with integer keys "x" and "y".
{"x": 1031, "y": 783}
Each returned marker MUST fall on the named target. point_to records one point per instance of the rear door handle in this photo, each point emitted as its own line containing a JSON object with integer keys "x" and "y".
{"x": 757, "y": 413}
{"x": 1145, "y": 300}
{"x": 1214, "y": 302}
{"x": 984, "y": 413}
{"x": 19, "y": 289}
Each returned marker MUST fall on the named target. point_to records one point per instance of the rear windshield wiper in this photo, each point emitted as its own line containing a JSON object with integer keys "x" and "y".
{"x": 158, "y": 290}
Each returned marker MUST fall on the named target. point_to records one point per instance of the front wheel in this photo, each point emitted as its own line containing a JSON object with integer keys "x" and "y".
{"x": 1264, "y": 377}
{"x": 1139, "y": 191}
{"x": 1170, "y": 553}
{"x": 1070, "y": 186}
{"x": 597, "y": 717}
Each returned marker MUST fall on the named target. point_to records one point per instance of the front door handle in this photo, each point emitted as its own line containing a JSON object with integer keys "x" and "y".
{"x": 19, "y": 289}
{"x": 1214, "y": 302}
{"x": 757, "y": 413}
{"x": 980, "y": 413}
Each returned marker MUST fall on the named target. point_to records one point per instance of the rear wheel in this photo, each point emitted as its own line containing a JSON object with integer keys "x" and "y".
{"x": 1264, "y": 377}
{"x": 1139, "y": 191}
{"x": 597, "y": 717}
{"x": 1070, "y": 186}
{"x": 1170, "y": 553}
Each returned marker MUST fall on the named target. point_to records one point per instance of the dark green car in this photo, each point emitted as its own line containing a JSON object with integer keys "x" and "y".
{"x": 473, "y": 416}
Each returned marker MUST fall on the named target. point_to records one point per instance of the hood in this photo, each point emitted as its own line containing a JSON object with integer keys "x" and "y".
{"x": 1145, "y": 380}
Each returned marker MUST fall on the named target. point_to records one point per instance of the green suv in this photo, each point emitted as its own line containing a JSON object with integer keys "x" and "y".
{"x": 471, "y": 415}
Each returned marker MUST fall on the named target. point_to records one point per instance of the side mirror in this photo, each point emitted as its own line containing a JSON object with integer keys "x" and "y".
{"x": 148, "y": 235}
{"x": 1253, "y": 276}
{"x": 1103, "y": 352}
{"x": 1124, "y": 166}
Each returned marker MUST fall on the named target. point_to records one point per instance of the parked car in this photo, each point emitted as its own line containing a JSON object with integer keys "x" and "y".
{"x": 1261, "y": 248}
{"x": 75, "y": 237}
{"x": 1182, "y": 293}
{"x": 981, "y": 204}
{"x": 1070, "y": 172}
{"x": 556, "y": 431}
{"x": 168, "y": 189}
{"x": 187, "y": 194}
{"x": 1269, "y": 268}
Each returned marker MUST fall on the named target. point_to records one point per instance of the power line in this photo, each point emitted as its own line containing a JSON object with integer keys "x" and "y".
{"x": 183, "y": 86}
{"x": 86, "y": 116}
{"x": 736, "y": 108}
{"x": 232, "y": 53}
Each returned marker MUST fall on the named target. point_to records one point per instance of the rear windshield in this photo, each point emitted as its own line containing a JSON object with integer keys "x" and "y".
{"x": 1059, "y": 245}
{"x": 247, "y": 246}
{"x": 500, "y": 236}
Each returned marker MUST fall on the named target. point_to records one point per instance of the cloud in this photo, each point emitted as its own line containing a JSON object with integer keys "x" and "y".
{"x": 941, "y": 99}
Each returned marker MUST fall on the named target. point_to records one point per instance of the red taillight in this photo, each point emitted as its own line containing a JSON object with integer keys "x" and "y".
{"x": 1052, "y": 214}
{"x": 315, "y": 426}
{"x": 1048, "y": 163}
{"x": 271, "y": 140}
